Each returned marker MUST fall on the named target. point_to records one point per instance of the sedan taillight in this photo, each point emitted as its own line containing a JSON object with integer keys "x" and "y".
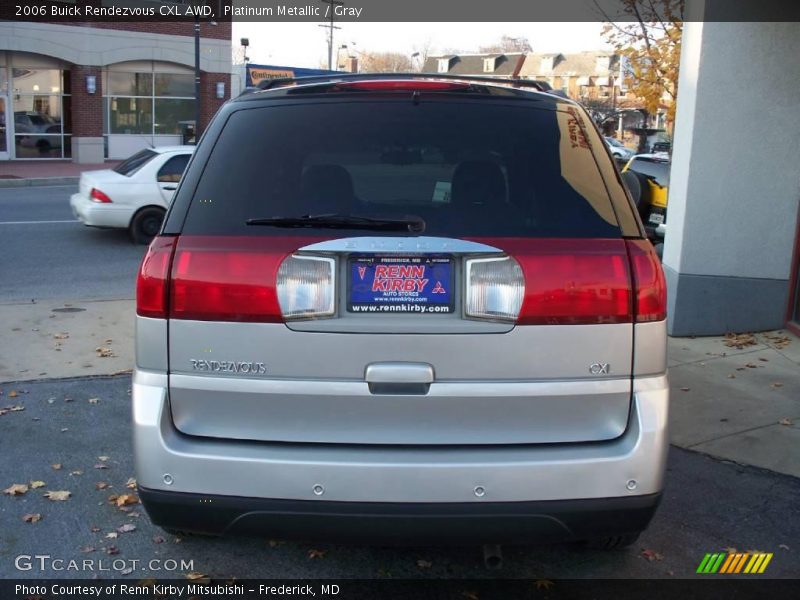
{"x": 98, "y": 196}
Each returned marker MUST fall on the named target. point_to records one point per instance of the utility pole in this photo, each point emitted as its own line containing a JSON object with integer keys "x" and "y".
{"x": 331, "y": 10}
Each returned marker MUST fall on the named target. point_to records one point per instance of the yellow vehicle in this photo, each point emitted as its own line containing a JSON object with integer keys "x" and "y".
{"x": 647, "y": 178}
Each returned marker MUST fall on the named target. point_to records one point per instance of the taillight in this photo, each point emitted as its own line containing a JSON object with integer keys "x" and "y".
{"x": 98, "y": 196}
{"x": 403, "y": 86}
{"x": 152, "y": 284}
{"x": 306, "y": 287}
{"x": 571, "y": 281}
{"x": 494, "y": 288}
{"x": 649, "y": 283}
{"x": 236, "y": 279}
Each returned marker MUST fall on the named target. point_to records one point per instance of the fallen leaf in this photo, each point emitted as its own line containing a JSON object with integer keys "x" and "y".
{"x": 76, "y": 472}
{"x": 786, "y": 421}
{"x": 126, "y": 571}
{"x": 731, "y": 550}
{"x": 127, "y": 528}
{"x": 197, "y": 576}
{"x": 764, "y": 359}
{"x": 126, "y": 499}
{"x": 739, "y": 340}
{"x": 134, "y": 514}
{"x": 16, "y": 408}
{"x": 61, "y": 336}
{"x": 545, "y": 584}
{"x": 101, "y": 485}
{"x": 16, "y": 489}
{"x": 316, "y": 553}
{"x": 94, "y": 400}
{"x": 13, "y": 394}
{"x": 731, "y": 376}
{"x": 424, "y": 564}
{"x": 652, "y": 555}
{"x": 63, "y": 429}
{"x": 783, "y": 546}
{"x": 104, "y": 352}
{"x": 112, "y": 550}
{"x": 103, "y": 458}
{"x": 275, "y": 543}
{"x": 94, "y": 529}
{"x": 112, "y": 535}
{"x": 87, "y": 549}
{"x": 32, "y": 517}
{"x": 751, "y": 366}
{"x": 57, "y": 496}
{"x": 685, "y": 389}
{"x": 131, "y": 483}
{"x": 101, "y": 466}
{"x": 158, "y": 539}
{"x": 776, "y": 385}
{"x": 37, "y": 484}
{"x": 56, "y": 466}
{"x": 470, "y": 595}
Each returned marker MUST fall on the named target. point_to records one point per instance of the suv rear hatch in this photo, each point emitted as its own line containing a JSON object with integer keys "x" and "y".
{"x": 509, "y": 320}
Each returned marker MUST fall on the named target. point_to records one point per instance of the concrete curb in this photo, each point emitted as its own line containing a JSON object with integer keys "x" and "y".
{"x": 38, "y": 181}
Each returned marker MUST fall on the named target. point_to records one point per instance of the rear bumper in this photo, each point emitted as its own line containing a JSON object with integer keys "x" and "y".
{"x": 285, "y": 488}
{"x": 97, "y": 214}
{"x": 431, "y": 523}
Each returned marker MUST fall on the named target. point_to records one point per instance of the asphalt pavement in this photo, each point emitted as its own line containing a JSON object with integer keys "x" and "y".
{"x": 84, "y": 426}
{"x": 47, "y": 254}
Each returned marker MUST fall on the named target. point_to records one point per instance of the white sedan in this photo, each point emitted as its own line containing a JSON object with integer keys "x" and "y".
{"x": 135, "y": 194}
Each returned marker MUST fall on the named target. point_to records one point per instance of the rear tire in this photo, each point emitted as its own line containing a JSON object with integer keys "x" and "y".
{"x": 614, "y": 542}
{"x": 145, "y": 224}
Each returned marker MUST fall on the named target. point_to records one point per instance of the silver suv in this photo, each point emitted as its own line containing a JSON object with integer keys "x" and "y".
{"x": 410, "y": 308}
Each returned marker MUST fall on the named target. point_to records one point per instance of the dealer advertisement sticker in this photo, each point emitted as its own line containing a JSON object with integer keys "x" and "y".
{"x": 401, "y": 284}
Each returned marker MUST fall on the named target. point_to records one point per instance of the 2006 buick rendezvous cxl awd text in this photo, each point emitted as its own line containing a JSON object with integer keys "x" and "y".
{"x": 403, "y": 308}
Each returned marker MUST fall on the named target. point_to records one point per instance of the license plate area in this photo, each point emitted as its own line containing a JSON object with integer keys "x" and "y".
{"x": 408, "y": 284}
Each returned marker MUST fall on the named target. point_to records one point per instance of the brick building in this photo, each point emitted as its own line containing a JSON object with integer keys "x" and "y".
{"x": 88, "y": 91}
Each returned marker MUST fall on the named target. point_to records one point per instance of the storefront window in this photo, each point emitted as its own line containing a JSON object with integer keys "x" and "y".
{"x": 40, "y": 103}
{"x": 131, "y": 115}
{"x": 146, "y": 103}
{"x": 173, "y": 115}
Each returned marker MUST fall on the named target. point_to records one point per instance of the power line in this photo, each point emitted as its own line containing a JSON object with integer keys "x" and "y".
{"x": 330, "y": 26}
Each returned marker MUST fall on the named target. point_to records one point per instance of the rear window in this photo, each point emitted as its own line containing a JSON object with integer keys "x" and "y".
{"x": 130, "y": 165}
{"x": 466, "y": 168}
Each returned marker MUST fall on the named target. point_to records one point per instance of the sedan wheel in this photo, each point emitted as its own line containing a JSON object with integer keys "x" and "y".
{"x": 146, "y": 224}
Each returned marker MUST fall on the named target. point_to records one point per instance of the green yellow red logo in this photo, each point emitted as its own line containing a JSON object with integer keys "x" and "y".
{"x": 735, "y": 562}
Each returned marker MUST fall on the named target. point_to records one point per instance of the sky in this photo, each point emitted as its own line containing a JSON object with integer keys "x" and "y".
{"x": 305, "y": 44}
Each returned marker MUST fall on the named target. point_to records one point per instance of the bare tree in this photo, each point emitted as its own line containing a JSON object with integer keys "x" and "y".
{"x": 508, "y": 43}
{"x": 385, "y": 62}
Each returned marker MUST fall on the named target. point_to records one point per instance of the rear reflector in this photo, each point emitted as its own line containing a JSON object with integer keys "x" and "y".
{"x": 648, "y": 279}
{"x": 230, "y": 278}
{"x": 98, "y": 196}
{"x": 572, "y": 281}
{"x": 152, "y": 284}
{"x": 495, "y": 288}
{"x": 403, "y": 86}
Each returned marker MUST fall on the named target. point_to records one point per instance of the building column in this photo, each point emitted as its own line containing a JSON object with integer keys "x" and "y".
{"x": 209, "y": 103}
{"x": 87, "y": 116}
{"x": 735, "y": 181}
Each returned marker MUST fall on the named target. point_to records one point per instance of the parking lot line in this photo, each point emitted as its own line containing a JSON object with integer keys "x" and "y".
{"x": 36, "y": 222}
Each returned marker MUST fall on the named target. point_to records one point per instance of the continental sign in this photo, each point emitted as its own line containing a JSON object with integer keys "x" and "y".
{"x": 259, "y": 75}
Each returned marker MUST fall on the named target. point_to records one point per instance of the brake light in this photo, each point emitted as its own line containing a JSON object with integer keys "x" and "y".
{"x": 649, "y": 284}
{"x": 403, "y": 86}
{"x": 306, "y": 287}
{"x": 98, "y": 196}
{"x": 495, "y": 288}
{"x": 152, "y": 284}
{"x": 572, "y": 281}
{"x": 231, "y": 278}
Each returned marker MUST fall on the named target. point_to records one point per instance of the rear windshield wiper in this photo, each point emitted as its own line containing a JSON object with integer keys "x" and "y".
{"x": 336, "y": 221}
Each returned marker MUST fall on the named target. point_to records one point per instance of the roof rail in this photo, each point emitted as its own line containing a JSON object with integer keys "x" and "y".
{"x": 269, "y": 84}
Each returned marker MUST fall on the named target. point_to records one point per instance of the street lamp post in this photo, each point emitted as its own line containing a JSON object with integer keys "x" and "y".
{"x": 196, "y": 79}
{"x": 330, "y": 26}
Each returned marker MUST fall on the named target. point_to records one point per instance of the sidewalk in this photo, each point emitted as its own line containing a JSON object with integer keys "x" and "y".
{"x": 18, "y": 173}
{"x": 735, "y": 399}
